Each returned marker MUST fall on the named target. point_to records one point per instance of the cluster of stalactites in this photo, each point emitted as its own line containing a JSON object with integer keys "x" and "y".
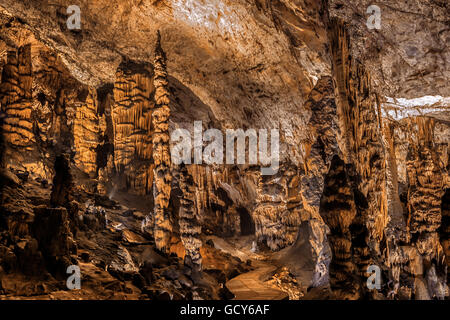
{"x": 277, "y": 210}
{"x": 220, "y": 191}
{"x": 161, "y": 151}
{"x": 131, "y": 119}
{"x": 425, "y": 189}
{"x": 425, "y": 178}
{"x": 88, "y": 129}
{"x": 362, "y": 141}
{"x": 16, "y": 94}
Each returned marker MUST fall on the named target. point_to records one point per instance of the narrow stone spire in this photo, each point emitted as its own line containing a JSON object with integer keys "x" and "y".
{"x": 190, "y": 228}
{"x": 161, "y": 150}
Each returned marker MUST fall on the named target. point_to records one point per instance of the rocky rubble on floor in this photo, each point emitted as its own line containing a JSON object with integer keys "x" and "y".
{"x": 38, "y": 243}
{"x": 287, "y": 282}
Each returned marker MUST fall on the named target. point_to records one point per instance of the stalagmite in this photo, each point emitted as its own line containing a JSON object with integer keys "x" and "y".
{"x": 277, "y": 217}
{"x": 190, "y": 229}
{"x": 86, "y": 134}
{"x": 161, "y": 151}
{"x": 362, "y": 145}
{"x": 339, "y": 211}
{"x": 425, "y": 191}
{"x": 16, "y": 100}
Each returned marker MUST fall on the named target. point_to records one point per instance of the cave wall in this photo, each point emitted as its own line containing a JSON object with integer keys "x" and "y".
{"x": 372, "y": 189}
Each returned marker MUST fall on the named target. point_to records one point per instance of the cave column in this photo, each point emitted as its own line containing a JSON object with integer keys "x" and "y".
{"x": 190, "y": 229}
{"x": 16, "y": 94}
{"x": 86, "y": 134}
{"x": 362, "y": 145}
{"x": 319, "y": 148}
{"x": 425, "y": 191}
{"x": 161, "y": 151}
{"x": 131, "y": 119}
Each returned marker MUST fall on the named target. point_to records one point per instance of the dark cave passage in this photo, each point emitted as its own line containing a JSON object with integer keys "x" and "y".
{"x": 247, "y": 224}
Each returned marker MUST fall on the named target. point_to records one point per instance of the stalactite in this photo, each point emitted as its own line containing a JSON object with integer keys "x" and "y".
{"x": 425, "y": 192}
{"x": 362, "y": 145}
{"x": 16, "y": 99}
{"x": 131, "y": 117}
{"x": 339, "y": 211}
{"x": 86, "y": 134}
{"x": 161, "y": 150}
{"x": 190, "y": 229}
{"x": 277, "y": 210}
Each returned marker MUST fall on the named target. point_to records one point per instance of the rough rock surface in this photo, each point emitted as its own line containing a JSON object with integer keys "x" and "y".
{"x": 408, "y": 56}
{"x": 85, "y": 123}
{"x": 161, "y": 150}
{"x": 190, "y": 229}
{"x": 131, "y": 116}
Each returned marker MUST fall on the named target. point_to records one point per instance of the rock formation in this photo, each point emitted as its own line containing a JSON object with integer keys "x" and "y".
{"x": 338, "y": 209}
{"x": 425, "y": 192}
{"x": 190, "y": 229}
{"x": 62, "y": 182}
{"x": 86, "y": 176}
{"x": 445, "y": 229}
{"x": 16, "y": 92}
{"x": 161, "y": 150}
{"x": 320, "y": 148}
{"x": 132, "y": 117}
{"x": 277, "y": 218}
{"x": 87, "y": 132}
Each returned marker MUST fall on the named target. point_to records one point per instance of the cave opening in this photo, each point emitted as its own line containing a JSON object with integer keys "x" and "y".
{"x": 102, "y": 153}
{"x": 247, "y": 224}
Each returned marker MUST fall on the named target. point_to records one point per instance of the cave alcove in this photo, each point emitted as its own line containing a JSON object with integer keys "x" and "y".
{"x": 247, "y": 224}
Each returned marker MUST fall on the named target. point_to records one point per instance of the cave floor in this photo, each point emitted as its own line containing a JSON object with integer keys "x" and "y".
{"x": 112, "y": 256}
{"x": 251, "y": 285}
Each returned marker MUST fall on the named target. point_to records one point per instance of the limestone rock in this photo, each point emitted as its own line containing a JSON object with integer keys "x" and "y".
{"x": 190, "y": 228}
{"x": 161, "y": 151}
